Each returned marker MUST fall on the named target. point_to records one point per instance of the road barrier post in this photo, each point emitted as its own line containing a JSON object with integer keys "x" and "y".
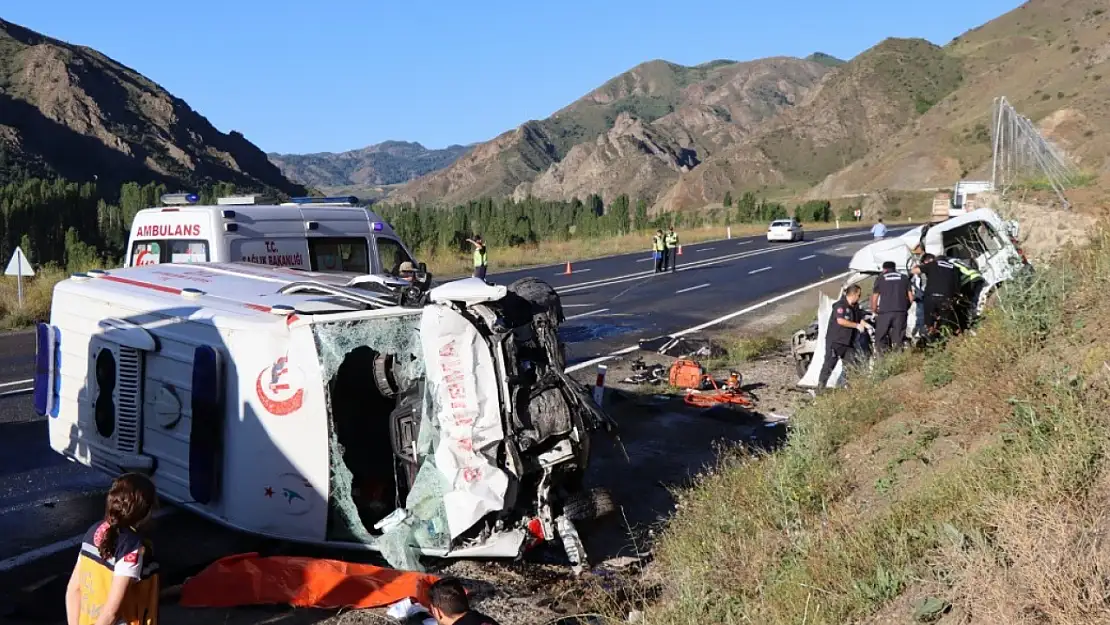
{"x": 599, "y": 387}
{"x": 730, "y": 232}
{"x": 838, "y": 223}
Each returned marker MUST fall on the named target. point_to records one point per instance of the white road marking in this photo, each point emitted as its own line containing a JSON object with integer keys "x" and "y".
{"x": 17, "y": 383}
{"x": 587, "y": 314}
{"x": 808, "y": 257}
{"x": 758, "y": 270}
{"x": 744, "y": 243}
{"x": 577, "y": 305}
{"x": 27, "y": 557}
{"x": 695, "y": 264}
{"x": 572, "y": 272}
{"x": 21, "y": 391}
{"x": 709, "y": 324}
{"x": 644, "y": 260}
{"x": 705, "y": 249}
{"x": 837, "y": 249}
{"x": 693, "y": 288}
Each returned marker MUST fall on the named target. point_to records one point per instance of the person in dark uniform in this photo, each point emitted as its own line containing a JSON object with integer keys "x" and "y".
{"x": 450, "y": 606}
{"x": 942, "y": 281}
{"x": 840, "y": 337}
{"x": 890, "y": 301}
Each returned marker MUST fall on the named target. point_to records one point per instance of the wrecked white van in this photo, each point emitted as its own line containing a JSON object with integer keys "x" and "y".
{"x": 980, "y": 237}
{"x": 315, "y": 408}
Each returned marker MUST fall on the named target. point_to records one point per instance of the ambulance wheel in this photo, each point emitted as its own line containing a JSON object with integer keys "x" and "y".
{"x": 589, "y": 505}
{"x": 802, "y": 364}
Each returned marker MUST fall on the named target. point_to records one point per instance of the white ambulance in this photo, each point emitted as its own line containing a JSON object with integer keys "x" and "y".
{"x": 345, "y": 410}
{"x": 314, "y": 234}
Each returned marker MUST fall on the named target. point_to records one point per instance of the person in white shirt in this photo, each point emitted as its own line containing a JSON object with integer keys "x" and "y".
{"x": 878, "y": 230}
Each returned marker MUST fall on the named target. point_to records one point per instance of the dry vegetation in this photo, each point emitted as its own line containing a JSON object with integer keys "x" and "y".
{"x": 968, "y": 484}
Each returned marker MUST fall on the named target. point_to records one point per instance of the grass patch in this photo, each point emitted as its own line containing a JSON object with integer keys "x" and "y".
{"x": 37, "y": 293}
{"x": 1012, "y": 529}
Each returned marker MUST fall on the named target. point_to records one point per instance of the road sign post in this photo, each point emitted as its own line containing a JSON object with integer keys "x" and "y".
{"x": 19, "y": 267}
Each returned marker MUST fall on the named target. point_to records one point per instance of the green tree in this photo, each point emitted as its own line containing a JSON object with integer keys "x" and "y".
{"x": 728, "y": 199}
{"x": 640, "y": 221}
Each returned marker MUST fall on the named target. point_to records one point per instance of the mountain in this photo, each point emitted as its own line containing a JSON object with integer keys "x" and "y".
{"x": 70, "y": 111}
{"x": 1049, "y": 58}
{"x": 825, "y": 59}
{"x": 671, "y": 112}
{"x": 904, "y": 115}
{"x": 390, "y": 162}
{"x": 854, "y": 109}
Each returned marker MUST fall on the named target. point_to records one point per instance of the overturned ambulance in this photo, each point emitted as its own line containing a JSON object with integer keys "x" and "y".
{"x": 356, "y": 411}
{"x": 981, "y": 238}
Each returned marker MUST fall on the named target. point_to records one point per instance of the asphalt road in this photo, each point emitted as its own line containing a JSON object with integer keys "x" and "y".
{"x": 609, "y": 303}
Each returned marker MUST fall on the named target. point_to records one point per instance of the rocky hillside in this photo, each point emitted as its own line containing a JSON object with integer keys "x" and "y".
{"x": 1050, "y": 58}
{"x": 71, "y": 111}
{"x": 670, "y": 117}
{"x": 854, "y": 109}
{"x": 390, "y": 162}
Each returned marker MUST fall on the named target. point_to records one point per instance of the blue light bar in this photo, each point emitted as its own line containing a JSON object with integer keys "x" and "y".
{"x": 378, "y": 226}
{"x": 180, "y": 198}
{"x": 349, "y": 199}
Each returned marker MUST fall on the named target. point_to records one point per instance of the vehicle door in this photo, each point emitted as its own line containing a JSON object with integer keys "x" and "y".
{"x": 390, "y": 254}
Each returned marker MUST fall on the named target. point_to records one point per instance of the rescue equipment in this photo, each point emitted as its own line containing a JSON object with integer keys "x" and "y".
{"x": 730, "y": 394}
{"x": 686, "y": 374}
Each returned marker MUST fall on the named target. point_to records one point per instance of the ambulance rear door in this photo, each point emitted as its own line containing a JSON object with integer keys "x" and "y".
{"x": 171, "y": 235}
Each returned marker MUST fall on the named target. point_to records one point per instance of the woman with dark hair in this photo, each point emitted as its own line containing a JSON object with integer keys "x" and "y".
{"x": 115, "y": 579}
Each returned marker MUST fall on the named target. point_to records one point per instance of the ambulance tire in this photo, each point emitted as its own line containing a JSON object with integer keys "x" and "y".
{"x": 802, "y": 364}
{"x": 589, "y": 505}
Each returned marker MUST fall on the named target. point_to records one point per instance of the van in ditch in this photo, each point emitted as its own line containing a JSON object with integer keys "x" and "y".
{"x": 313, "y": 234}
{"x": 346, "y": 410}
{"x": 980, "y": 237}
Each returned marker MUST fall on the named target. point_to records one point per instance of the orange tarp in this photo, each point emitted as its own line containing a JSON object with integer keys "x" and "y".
{"x": 249, "y": 579}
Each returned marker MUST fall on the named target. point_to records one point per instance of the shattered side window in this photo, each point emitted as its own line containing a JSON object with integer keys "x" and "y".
{"x": 354, "y": 404}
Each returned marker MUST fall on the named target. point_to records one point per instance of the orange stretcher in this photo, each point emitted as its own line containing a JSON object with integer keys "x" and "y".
{"x": 718, "y": 396}
{"x": 250, "y": 579}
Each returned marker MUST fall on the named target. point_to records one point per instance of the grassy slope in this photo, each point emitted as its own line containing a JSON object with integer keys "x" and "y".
{"x": 976, "y": 475}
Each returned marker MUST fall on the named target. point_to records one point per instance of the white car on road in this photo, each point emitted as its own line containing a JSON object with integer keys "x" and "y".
{"x": 785, "y": 230}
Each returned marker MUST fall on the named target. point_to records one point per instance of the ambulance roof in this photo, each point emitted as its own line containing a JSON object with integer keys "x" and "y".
{"x": 242, "y": 290}
{"x": 268, "y": 210}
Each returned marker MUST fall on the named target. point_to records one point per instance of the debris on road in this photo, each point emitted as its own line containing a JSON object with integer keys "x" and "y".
{"x": 691, "y": 346}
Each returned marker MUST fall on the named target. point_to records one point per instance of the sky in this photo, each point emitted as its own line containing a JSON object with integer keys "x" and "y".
{"x": 334, "y": 75}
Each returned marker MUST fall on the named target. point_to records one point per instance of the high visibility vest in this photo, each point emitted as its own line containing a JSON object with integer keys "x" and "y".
{"x": 967, "y": 273}
{"x": 479, "y": 256}
{"x": 657, "y": 243}
{"x": 672, "y": 239}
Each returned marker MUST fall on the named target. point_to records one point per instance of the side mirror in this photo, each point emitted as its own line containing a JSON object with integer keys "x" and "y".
{"x": 422, "y": 267}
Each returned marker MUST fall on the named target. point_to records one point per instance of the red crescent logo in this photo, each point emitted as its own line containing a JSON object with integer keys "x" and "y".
{"x": 272, "y": 404}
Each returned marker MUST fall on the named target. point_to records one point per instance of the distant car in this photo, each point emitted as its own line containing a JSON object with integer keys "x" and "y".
{"x": 785, "y": 230}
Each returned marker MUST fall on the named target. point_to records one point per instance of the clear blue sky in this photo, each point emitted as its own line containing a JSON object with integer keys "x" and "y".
{"x": 334, "y": 75}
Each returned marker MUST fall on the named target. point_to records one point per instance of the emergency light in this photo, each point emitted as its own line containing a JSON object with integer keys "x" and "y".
{"x": 349, "y": 200}
{"x": 378, "y": 227}
{"x": 180, "y": 198}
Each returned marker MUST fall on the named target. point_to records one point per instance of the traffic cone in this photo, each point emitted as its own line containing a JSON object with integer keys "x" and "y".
{"x": 568, "y": 271}
{"x": 680, "y": 250}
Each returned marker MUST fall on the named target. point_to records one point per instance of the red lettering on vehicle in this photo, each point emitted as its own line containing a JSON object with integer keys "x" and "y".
{"x": 168, "y": 230}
